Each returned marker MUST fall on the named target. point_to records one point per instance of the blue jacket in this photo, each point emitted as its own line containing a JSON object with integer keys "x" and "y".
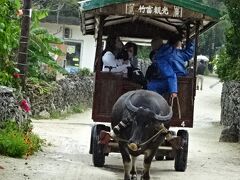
{"x": 171, "y": 63}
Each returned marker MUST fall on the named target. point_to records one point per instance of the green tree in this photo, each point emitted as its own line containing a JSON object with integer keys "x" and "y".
{"x": 228, "y": 63}
{"x": 41, "y": 49}
{"x": 9, "y": 28}
{"x": 9, "y": 37}
{"x": 214, "y": 38}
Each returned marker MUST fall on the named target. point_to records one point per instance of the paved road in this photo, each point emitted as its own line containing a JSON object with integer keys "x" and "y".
{"x": 67, "y": 158}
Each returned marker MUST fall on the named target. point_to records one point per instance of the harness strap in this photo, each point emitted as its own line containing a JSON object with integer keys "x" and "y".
{"x": 162, "y": 130}
{"x": 178, "y": 106}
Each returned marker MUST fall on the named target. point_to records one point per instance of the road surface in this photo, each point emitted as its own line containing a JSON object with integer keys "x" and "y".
{"x": 67, "y": 158}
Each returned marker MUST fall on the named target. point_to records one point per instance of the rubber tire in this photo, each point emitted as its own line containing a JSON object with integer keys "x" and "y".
{"x": 170, "y": 157}
{"x": 98, "y": 157}
{"x": 158, "y": 156}
{"x": 102, "y": 127}
{"x": 91, "y": 141}
{"x": 182, "y": 154}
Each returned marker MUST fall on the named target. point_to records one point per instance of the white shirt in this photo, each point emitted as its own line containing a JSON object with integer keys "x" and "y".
{"x": 116, "y": 64}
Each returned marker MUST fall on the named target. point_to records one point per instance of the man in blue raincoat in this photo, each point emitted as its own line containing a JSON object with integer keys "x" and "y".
{"x": 170, "y": 62}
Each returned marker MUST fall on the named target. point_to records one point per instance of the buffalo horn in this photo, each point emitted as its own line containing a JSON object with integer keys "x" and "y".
{"x": 129, "y": 104}
{"x": 164, "y": 118}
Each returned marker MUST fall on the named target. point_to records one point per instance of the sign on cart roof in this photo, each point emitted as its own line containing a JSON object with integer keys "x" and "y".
{"x": 187, "y": 4}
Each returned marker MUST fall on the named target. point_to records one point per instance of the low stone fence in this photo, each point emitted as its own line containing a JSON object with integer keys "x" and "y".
{"x": 9, "y": 107}
{"x": 230, "y": 115}
{"x": 67, "y": 92}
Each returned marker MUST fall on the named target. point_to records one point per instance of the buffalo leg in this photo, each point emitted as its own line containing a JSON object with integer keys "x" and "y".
{"x": 134, "y": 169}
{"x": 126, "y": 161}
{"x": 148, "y": 156}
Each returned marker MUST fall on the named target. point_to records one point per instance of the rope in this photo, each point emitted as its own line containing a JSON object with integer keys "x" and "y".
{"x": 161, "y": 131}
{"x": 178, "y": 106}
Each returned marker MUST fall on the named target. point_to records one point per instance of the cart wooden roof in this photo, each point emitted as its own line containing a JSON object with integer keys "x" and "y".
{"x": 146, "y": 18}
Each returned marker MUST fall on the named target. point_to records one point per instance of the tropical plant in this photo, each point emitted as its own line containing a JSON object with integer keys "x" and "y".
{"x": 41, "y": 45}
{"x": 228, "y": 63}
{"x": 15, "y": 142}
{"x": 9, "y": 29}
{"x": 9, "y": 37}
{"x": 42, "y": 48}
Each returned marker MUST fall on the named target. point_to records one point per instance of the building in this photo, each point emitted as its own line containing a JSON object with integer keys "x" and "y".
{"x": 79, "y": 50}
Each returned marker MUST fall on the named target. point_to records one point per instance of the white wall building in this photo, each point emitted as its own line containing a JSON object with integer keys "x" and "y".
{"x": 80, "y": 50}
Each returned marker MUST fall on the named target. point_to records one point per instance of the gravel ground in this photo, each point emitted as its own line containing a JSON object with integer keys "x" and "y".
{"x": 67, "y": 156}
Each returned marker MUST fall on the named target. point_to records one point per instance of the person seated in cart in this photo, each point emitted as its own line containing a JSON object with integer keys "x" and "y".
{"x": 132, "y": 50}
{"x": 109, "y": 59}
{"x": 171, "y": 61}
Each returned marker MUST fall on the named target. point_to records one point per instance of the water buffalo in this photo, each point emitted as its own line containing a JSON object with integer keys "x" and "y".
{"x": 145, "y": 112}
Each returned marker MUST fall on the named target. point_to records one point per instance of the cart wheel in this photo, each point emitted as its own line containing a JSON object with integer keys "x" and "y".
{"x": 159, "y": 155}
{"x": 171, "y": 154}
{"x": 98, "y": 155}
{"x": 182, "y": 154}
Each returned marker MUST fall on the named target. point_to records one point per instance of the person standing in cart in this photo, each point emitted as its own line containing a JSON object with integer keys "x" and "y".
{"x": 171, "y": 62}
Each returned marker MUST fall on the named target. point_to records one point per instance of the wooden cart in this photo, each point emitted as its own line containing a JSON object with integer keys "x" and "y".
{"x": 142, "y": 19}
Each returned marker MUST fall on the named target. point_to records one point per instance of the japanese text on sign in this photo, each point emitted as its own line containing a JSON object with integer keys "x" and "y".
{"x": 174, "y": 11}
{"x": 153, "y": 10}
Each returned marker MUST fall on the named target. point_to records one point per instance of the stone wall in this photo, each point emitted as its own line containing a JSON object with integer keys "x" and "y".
{"x": 9, "y": 107}
{"x": 230, "y": 115}
{"x": 67, "y": 92}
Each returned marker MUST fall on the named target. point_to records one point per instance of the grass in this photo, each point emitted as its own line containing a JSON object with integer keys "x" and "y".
{"x": 14, "y": 142}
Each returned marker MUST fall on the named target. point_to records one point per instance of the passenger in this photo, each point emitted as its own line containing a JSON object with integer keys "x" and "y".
{"x": 132, "y": 50}
{"x": 170, "y": 63}
{"x": 156, "y": 43}
{"x": 152, "y": 70}
{"x": 110, "y": 63}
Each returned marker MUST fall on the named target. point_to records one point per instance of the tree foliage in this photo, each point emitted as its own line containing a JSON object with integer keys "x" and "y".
{"x": 60, "y": 7}
{"x": 212, "y": 40}
{"x": 228, "y": 63}
{"x": 9, "y": 28}
{"x": 41, "y": 49}
{"x": 9, "y": 37}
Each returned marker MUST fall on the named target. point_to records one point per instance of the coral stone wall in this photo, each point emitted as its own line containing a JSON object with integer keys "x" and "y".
{"x": 67, "y": 92}
{"x": 230, "y": 115}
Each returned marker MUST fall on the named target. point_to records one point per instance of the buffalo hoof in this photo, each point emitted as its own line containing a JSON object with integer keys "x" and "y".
{"x": 145, "y": 177}
{"x": 127, "y": 177}
{"x": 134, "y": 177}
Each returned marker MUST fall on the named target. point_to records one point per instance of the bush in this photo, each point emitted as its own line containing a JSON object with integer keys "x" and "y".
{"x": 40, "y": 86}
{"x": 14, "y": 142}
{"x": 84, "y": 72}
{"x": 226, "y": 68}
{"x": 228, "y": 62}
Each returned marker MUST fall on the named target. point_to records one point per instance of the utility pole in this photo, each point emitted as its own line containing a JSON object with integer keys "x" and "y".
{"x": 23, "y": 45}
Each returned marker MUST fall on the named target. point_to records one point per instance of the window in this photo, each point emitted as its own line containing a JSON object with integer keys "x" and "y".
{"x": 73, "y": 54}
